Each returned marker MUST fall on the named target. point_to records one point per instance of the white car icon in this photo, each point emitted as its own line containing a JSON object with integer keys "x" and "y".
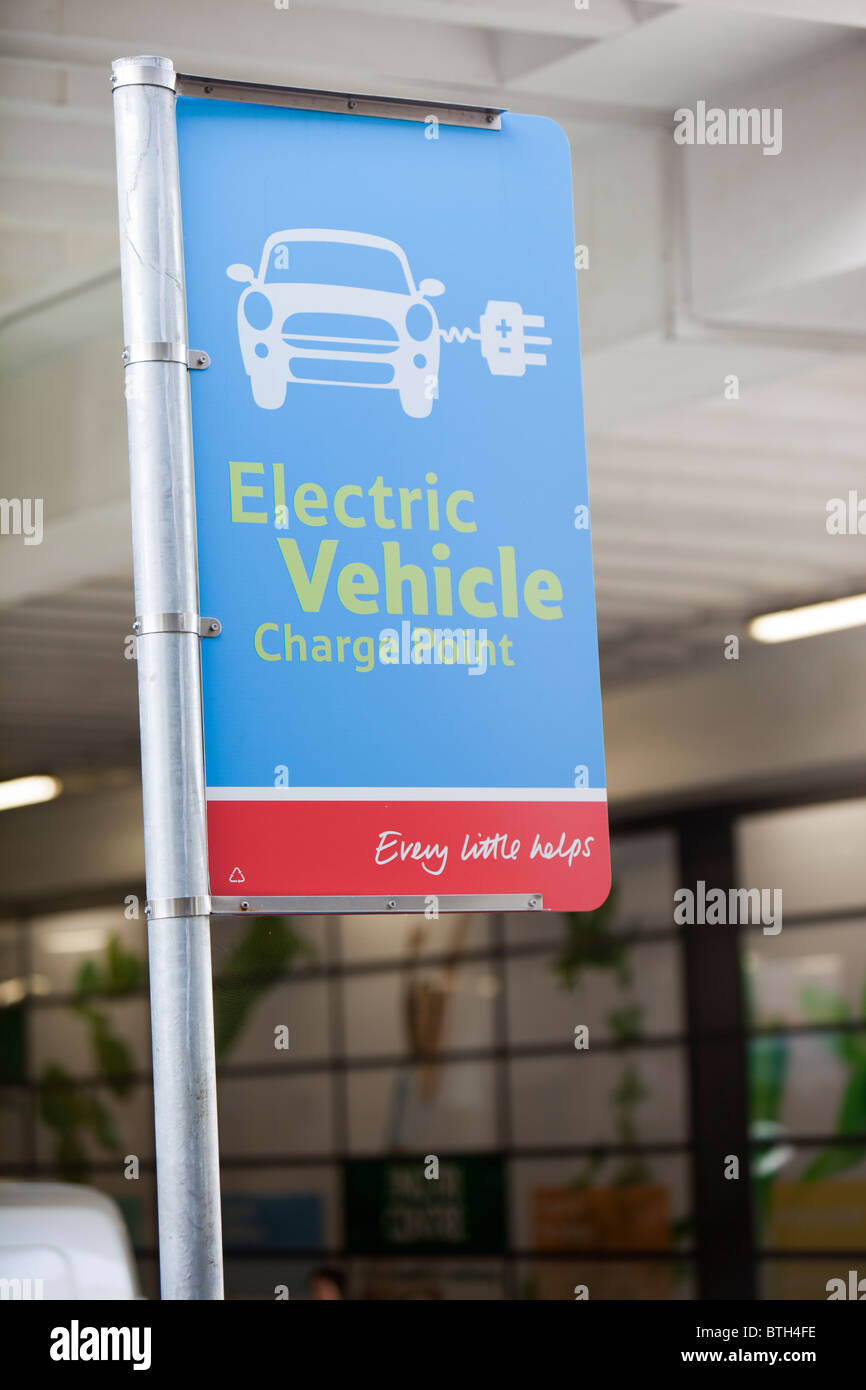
{"x": 337, "y": 308}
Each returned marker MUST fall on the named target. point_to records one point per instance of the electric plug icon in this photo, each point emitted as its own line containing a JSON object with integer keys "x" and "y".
{"x": 504, "y": 339}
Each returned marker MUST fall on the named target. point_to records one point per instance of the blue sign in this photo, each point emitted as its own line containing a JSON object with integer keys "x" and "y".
{"x": 391, "y": 493}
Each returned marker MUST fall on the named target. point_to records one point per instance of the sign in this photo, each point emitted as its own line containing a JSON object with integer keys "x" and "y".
{"x": 601, "y": 1218}
{"x": 392, "y": 509}
{"x": 270, "y": 1220}
{"x": 602, "y": 1221}
{"x": 393, "y": 1208}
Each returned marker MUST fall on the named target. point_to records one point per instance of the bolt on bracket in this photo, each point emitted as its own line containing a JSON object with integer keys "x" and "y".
{"x": 148, "y": 623}
{"x": 195, "y": 359}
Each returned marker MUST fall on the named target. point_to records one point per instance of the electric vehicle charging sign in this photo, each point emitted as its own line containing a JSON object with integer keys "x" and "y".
{"x": 392, "y": 510}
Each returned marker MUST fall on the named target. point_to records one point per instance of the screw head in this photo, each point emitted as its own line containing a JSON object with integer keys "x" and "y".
{"x": 490, "y": 117}
{"x": 533, "y": 902}
{"x": 136, "y": 627}
{"x": 215, "y": 626}
{"x": 391, "y": 904}
{"x": 351, "y": 105}
{"x": 208, "y": 91}
{"x": 245, "y": 907}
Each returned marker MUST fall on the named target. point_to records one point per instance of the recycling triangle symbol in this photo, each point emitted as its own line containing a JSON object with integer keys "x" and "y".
{"x": 236, "y": 876}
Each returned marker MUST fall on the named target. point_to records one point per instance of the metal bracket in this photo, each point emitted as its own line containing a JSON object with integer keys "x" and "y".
{"x": 196, "y": 359}
{"x": 144, "y": 625}
{"x": 158, "y": 909}
{"x": 142, "y": 72}
{"x": 353, "y": 103}
{"x": 299, "y": 907}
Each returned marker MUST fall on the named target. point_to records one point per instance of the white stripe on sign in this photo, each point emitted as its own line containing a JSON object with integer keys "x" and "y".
{"x": 407, "y": 794}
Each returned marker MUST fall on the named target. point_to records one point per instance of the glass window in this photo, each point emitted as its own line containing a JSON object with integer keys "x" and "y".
{"x": 270, "y": 998}
{"x": 284, "y": 1208}
{"x": 97, "y": 949}
{"x": 287, "y": 1024}
{"x": 606, "y": 1279}
{"x": 136, "y": 1198}
{"x": 354, "y": 1040}
{"x": 807, "y": 975}
{"x": 93, "y": 1037}
{"x": 802, "y": 1279}
{"x": 411, "y": 937}
{"x": 82, "y": 1125}
{"x": 428, "y": 1280}
{"x": 271, "y": 1279}
{"x": 601, "y": 1201}
{"x": 611, "y": 1097}
{"x": 12, "y": 963}
{"x": 632, "y": 993}
{"x": 336, "y": 263}
{"x": 644, "y": 878}
{"x": 810, "y": 1197}
{"x": 645, "y": 873}
{"x": 809, "y": 1083}
{"x": 15, "y": 1108}
{"x": 275, "y": 1117}
{"x": 808, "y": 852}
{"x": 421, "y": 1009}
{"x": 431, "y": 1108}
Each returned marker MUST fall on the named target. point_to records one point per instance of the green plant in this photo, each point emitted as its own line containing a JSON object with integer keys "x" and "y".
{"x": 73, "y": 1111}
{"x": 626, "y": 1024}
{"x": 68, "y": 1108}
{"x": 267, "y": 949}
{"x": 767, "y": 1071}
{"x": 820, "y": 1006}
{"x": 592, "y": 944}
{"x": 768, "y": 1059}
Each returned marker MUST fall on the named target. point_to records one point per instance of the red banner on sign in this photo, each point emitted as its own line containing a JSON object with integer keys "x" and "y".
{"x": 325, "y": 848}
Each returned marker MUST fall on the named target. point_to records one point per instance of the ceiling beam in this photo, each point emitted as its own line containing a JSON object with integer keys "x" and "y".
{"x": 839, "y": 12}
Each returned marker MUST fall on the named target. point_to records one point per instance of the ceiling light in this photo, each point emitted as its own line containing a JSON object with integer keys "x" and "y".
{"x": 76, "y": 942}
{"x": 814, "y": 618}
{"x": 28, "y": 791}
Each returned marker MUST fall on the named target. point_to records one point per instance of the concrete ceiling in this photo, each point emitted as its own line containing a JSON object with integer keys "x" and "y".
{"x": 703, "y": 263}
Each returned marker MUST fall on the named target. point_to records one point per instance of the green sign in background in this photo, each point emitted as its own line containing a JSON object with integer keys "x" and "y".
{"x": 391, "y": 1207}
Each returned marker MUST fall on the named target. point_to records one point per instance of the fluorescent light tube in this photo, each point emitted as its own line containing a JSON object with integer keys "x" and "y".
{"x": 809, "y": 621}
{"x": 28, "y": 791}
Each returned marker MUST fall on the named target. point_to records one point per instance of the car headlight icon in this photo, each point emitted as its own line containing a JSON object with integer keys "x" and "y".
{"x": 419, "y": 322}
{"x": 258, "y": 310}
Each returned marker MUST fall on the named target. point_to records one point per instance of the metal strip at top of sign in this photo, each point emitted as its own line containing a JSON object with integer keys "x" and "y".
{"x": 355, "y": 103}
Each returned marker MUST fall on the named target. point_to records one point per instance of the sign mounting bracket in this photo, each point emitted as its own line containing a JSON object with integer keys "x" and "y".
{"x": 346, "y": 906}
{"x": 340, "y": 103}
{"x": 148, "y": 623}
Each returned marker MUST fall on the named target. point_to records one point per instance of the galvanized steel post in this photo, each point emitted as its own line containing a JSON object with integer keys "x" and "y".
{"x": 169, "y": 678}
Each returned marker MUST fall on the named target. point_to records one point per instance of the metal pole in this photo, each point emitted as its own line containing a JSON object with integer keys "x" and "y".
{"x": 169, "y": 678}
